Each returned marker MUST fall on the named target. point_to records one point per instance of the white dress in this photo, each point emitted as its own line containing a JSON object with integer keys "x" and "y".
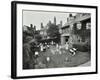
{"x": 41, "y": 48}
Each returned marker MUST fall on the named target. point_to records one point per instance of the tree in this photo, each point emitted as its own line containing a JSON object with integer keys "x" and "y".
{"x": 38, "y": 37}
{"x": 53, "y": 31}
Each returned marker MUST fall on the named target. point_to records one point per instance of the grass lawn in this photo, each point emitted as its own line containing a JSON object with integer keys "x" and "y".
{"x": 62, "y": 59}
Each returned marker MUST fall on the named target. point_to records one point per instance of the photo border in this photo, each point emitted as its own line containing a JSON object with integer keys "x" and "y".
{"x": 14, "y": 38}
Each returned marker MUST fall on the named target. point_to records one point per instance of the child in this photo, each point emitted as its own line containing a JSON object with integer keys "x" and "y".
{"x": 73, "y": 51}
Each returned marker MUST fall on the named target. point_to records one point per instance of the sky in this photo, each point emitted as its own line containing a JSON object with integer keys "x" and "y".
{"x": 36, "y": 17}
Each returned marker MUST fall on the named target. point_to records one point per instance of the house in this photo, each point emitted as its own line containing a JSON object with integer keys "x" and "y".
{"x": 76, "y": 29}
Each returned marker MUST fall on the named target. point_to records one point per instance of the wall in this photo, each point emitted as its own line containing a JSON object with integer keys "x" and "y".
{"x": 5, "y": 40}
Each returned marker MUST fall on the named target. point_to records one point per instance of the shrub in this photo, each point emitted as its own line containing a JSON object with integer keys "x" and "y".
{"x": 82, "y": 48}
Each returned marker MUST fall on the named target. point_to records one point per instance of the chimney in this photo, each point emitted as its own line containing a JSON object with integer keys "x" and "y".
{"x": 41, "y": 25}
{"x": 54, "y": 20}
{"x": 49, "y": 22}
{"x": 70, "y": 15}
{"x": 31, "y": 25}
{"x": 61, "y": 23}
{"x": 67, "y": 19}
{"x": 34, "y": 27}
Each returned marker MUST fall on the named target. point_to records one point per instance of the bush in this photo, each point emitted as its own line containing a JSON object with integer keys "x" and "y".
{"x": 82, "y": 48}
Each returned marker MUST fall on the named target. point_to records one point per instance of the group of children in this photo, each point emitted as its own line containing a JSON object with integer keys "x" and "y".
{"x": 45, "y": 46}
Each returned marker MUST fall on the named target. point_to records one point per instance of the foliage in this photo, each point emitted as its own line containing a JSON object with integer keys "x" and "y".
{"x": 38, "y": 37}
{"x": 82, "y": 48}
{"x": 53, "y": 31}
{"x": 28, "y": 35}
{"x": 29, "y": 48}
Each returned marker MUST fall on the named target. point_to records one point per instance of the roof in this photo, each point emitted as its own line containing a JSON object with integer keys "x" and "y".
{"x": 78, "y": 19}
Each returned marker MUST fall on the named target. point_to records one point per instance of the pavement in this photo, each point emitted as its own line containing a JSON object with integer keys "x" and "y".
{"x": 85, "y": 64}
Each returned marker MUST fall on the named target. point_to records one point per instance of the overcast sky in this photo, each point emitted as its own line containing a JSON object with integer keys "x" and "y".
{"x": 36, "y": 17}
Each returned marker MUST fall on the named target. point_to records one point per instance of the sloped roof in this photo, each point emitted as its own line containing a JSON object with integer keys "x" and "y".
{"x": 78, "y": 19}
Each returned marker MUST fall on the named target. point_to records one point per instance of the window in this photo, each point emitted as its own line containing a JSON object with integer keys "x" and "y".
{"x": 79, "y": 26}
{"x": 88, "y": 25}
